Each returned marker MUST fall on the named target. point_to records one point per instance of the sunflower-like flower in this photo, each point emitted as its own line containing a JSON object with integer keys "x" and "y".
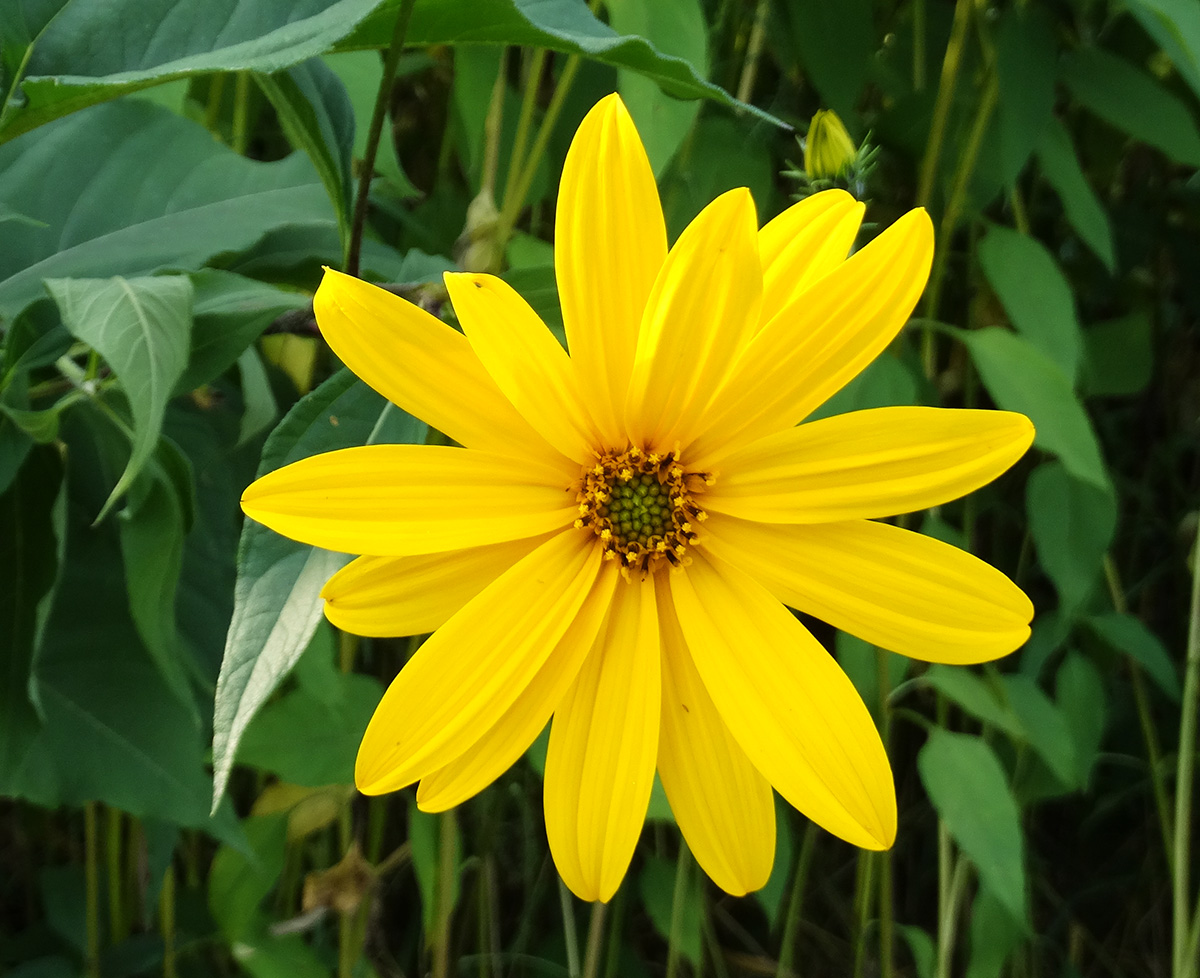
{"x": 617, "y": 541}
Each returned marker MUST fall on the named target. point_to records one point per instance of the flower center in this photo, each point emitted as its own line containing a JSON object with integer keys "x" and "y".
{"x": 641, "y": 506}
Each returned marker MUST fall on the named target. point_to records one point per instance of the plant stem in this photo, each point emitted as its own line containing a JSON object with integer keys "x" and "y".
{"x": 591, "y": 956}
{"x": 682, "y": 865}
{"x": 918, "y": 63}
{"x": 533, "y": 82}
{"x": 948, "y": 916}
{"x": 791, "y": 924}
{"x": 382, "y": 98}
{"x": 753, "y": 52}
{"x": 886, "y": 910}
{"x": 1185, "y": 768}
{"x": 945, "y": 98}
{"x": 447, "y": 838}
{"x": 112, "y": 859}
{"x": 491, "y": 129}
{"x": 92, "y": 884}
{"x": 569, "y": 934}
{"x": 862, "y": 905}
{"x": 241, "y": 113}
{"x": 166, "y": 921}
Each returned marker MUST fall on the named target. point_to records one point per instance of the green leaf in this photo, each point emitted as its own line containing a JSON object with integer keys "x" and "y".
{"x": 677, "y": 28}
{"x": 15, "y": 443}
{"x": 560, "y": 25}
{"x": 1118, "y": 356}
{"x": 1034, "y": 293}
{"x": 968, "y": 787}
{"x": 158, "y": 192}
{"x": 1045, "y": 727}
{"x": 1175, "y": 25}
{"x": 87, "y": 51}
{"x": 1022, "y": 378}
{"x": 656, "y": 884}
{"x": 837, "y": 44}
{"x": 773, "y": 897}
{"x": 239, "y": 881}
{"x": 317, "y": 117}
{"x": 229, "y": 313}
{"x": 920, "y": 946}
{"x": 886, "y": 381}
{"x": 1127, "y": 634}
{"x": 976, "y": 696}
{"x": 277, "y": 603}
{"x": 260, "y": 408}
{"x": 1079, "y": 692}
{"x": 1133, "y": 102}
{"x": 1026, "y": 55}
{"x": 994, "y": 935}
{"x": 142, "y": 328}
{"x": 1072, "y": 524}
{"x": 1061, "y": 168}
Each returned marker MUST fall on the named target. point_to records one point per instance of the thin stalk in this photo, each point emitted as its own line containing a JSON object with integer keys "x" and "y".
{"x": 754, "y": 48}
{"x": 241, "y": 113}
{"x": 886, "y": 905}
{"x": 613, "y": 952}
{"x": 918, "y": 64}
{"x": 862, "y": 904}
{"x": 945, "y": 98}
{"x": 1185, "y": 768}
{"x": 112, "y": 859}
{"x": 1141, "y": 699}
{"x": 514, "y": 203}
{"x": 948, "y": 920}
{"x": 92, "y": 884}
{"x": 682, "y": 865}
{"x": 212, "y": 111}
{"x": 569, "y": 935}
{"x": 382, "y": 98}
{"x": 595, "y": 938}
{"x": 166, "y": 921}
{"x": 491, "y": 129}
{"x": 791, "y": 924}
{"x": 347, "y": 651}
{"x": 445, "y": 891}
{"x": 533, "y": 83}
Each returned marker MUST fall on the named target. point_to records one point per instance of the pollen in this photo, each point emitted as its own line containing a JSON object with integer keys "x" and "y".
{"x": 641, "y": 507}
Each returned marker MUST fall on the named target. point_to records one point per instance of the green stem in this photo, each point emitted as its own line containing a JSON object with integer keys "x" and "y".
{"x": 445, "y": 894}
{"x": 92, "y": 884}
{"x": 212, "y": 111}
{"x": 491, "y": 129}
{"x": 569, "y": 935}
{"x": 16, "y": 81}
{"x": 112, "y": 859}
{"x": 754, "y": 48}
{"x": 382, "y": 98}
{"x": 886, "y": 904}
{"x": 791, "y": 925}
{"x": 241, "y": 113}
{"x": 862, "y": 904}
{"x": 166, "y": 922}
{"x": 1142, "y": 701}
{"x": 595, "y": 938}
{"x": 948, "y": 917}
{"x": 678, "y": 898}
{"x": 533, "y": 82}
{"x": 945, "y": 98}
{"x": 1184, "y": 771}
{"x": 918, "y": 64}
{"x": 613, "y": 952}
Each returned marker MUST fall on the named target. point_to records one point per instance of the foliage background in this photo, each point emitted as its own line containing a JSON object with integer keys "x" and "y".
{"x": 172, "y": 177}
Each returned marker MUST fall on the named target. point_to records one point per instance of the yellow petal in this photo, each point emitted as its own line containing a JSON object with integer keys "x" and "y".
{"x": 525, "y": 361}
{"x": 820, "y": 341}
{"x": 421, "y": 365}
{"x": 609, "y": 242}
{"x": 704, "y": 306}
{"x": 386, "y": 596}
{"x": 786, "y": 702}
{"x": 723, "y": 806}
{"x": 808, "y": 240}
{"x": 894, "y": 588}
{"x": 603, "y": 743}
{"x": 509, "y": 738}
{"x": 401, "y": 500}
{"x": 868, "y": 463}
{"x": 464, "y": 678}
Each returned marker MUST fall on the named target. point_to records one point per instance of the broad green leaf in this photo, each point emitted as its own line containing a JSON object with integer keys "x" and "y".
{"x": 994, "y": 936}
{"x": 886, "y": 381}
{"x": 836, "y": 44}
{"x": 676, "y": 28}
{"x": 560, "y": 25}
{"x": 315, "y": 112}
{"x": 309, "y": 740}
{"x": 921, "y": 947}
{"x": 1072, "y": 523}
{"x": 29, "y": 556}
{"x": 1022, "y": 378}
{"x": 773, "y": 897}
{"x": 1175, "y": 25}
{"x": 1045, "y": 726}
{"x": 1026, "y": 54}
{"x": 142, "y": 328}
{"x": 1127, "y": 634}
{"x": 1034, "y": 293}
{"x": 88, "y": 51}
{"x": 238, "y": 881}
{"x": 973, "y": 694}
{"x": 1118, "y": 356}
{"x": 1061, "y": 168}
{"x": 260, "y": 409}
{"x": 1133, "y": 101}
{"x": 158, "y": 192}
{"x": 1079, "y": 692}
{"x": 277, "y": 603}
{"x": 15, "y": 443}
{"x": 656, "y": 884}
{"x": 229, "y": 312}
{"x": 970, "y": 791}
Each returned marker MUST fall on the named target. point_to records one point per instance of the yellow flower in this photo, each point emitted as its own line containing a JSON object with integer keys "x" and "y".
{"x": 828, "y": 148}
{"x": 615, "y": 543}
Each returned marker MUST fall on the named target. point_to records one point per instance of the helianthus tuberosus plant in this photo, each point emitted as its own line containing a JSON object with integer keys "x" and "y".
{"x": 617, "y": 542}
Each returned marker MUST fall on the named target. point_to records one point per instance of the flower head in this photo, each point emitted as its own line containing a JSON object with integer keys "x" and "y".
{"x": 614, "y": 544}
{"x": 828, "y": 149}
